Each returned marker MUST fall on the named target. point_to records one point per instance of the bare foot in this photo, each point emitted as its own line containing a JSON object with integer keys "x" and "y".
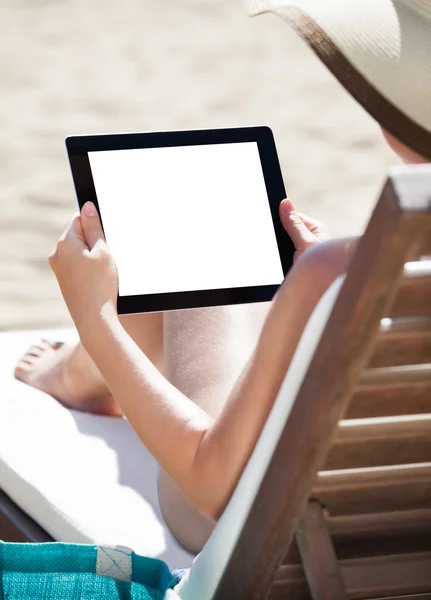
{"x": 69, "y": 375}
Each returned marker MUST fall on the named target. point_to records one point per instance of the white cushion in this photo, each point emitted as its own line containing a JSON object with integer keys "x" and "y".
{"x": 83, "y": 478}
{"x": 203, "y": 578}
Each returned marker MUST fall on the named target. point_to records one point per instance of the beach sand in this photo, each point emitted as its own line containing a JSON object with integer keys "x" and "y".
{"x": 73, "y": 66}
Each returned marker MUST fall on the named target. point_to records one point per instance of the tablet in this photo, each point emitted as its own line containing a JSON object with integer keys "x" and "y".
{"x": 191, "y": 217}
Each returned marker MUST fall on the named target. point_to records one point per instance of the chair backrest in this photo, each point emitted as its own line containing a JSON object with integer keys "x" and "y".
{"x": 343, "y": 336}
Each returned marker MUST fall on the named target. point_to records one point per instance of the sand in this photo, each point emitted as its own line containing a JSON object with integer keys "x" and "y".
{"x": 74, "y": 66}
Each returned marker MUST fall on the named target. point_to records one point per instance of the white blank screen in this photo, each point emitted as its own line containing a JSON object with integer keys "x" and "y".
{"x": 187, "y": 218}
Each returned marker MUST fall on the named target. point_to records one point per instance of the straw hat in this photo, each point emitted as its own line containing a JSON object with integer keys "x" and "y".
{"x": 379, "y": 50}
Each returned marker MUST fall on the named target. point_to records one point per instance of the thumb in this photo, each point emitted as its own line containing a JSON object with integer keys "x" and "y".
{"x": 91, "y": 226}
{"x": 292, "y": 222}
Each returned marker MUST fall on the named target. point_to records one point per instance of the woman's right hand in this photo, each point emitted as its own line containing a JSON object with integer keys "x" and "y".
{"x": 303, "y": 231}
{"x": 85, "y": 270}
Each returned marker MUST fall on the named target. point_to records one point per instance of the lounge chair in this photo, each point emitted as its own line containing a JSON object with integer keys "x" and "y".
{"x": 335, "y": 501}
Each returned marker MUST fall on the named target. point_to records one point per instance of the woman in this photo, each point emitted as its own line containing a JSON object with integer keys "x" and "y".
{"x": 197, "y": 386}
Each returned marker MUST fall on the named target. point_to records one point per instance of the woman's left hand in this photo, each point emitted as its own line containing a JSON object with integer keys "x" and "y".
{"x": 85, "y": 270}
{"x": 303, "y": 231}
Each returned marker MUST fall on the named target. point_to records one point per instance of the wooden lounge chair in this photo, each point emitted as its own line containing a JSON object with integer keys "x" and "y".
{"x": 335, "y": 501}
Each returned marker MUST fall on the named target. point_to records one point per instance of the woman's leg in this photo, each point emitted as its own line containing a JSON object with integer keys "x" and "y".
{"x": 68, "y": 373}
{"x": 205, "y": 351}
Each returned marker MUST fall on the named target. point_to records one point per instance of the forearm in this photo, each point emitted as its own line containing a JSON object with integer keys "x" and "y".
{"x": 168, "y": 423}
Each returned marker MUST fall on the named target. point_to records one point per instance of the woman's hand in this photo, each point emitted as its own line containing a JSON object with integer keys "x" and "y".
{"x": 303, "y": 231}
{"x": 85, "y": 270}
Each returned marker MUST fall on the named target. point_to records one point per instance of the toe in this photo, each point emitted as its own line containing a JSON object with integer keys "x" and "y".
{"x": 36, "y": 350}
{"x": 28, "y": 360}
{"x": 21, "y": 370}
{"x": 55, "y": 344}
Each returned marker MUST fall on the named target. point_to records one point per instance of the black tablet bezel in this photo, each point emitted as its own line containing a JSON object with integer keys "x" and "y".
{"x": 78, "y": 148}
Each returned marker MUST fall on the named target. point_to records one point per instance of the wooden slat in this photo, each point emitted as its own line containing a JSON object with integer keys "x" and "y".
{"x": 395, "y": 376}
{"x": 410, "y": 597}
{"x": 381, "y": 441}
{"x": 380, "y": 577}
{"x": 424, "y": 247}
{"x": 318, "y": 556}
{"x": 17, "y": 526}
{"x": 392, "y": 391}
{"x": 373, "y": 577}
{"x": 402, "y": 342}
{"x": 356, "y": 536}
{"x": 421, "y": 250}
{"x": 389, "y": 523}
{"x": 376, "y": 534}
{"x": 290, "y": 584}
{"x": 376, "y": 489}
{"x": 414, "y": 295}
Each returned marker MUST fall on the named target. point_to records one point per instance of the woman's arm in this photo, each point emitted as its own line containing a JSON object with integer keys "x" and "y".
{"x": 203, "y": 456}
{"x": 225, "y": 448}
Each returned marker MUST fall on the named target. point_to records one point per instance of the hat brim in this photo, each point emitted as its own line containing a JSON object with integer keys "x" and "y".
{"x": 386, "y": 113}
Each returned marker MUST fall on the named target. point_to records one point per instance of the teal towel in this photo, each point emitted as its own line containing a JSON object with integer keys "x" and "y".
{"x": 60, "y": 571}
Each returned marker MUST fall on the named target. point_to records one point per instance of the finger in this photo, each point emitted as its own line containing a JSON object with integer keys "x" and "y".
{"x": 299, "y": 233}
{"x": 312, "y": 223}
{"x": 286, "y": 205}
{"x": 72, "y": 239}
{"x": 309, "y": 221}
{"x": 91, "y": 225}
{"x": 74, "y": 230}
{"x": 319, "y": 229}
{"x": 67, "y": 227}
